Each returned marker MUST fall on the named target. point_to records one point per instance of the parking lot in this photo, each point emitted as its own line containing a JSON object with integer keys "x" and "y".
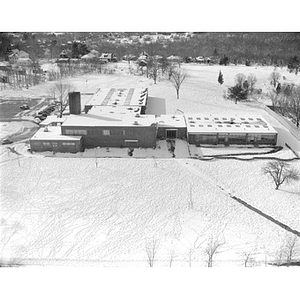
{"x": 15, "y": 115}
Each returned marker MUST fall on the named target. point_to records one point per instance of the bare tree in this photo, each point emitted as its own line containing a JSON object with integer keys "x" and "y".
{"x": 291, "y": 249}
{"x": 171, "y": 258}
{"x": 192, "y": 249}
{"x": 240, "y": 79}
{"x": 60, "y": 92}
{"x": 287, "y": 251}
{"x": 153, "y": 69}
{"x": 213, "y": 245}
{"x": 275, "y": 98}
{"x": 151, "y": 251}
{"x": 294, "y": 104}
{"x": 281, "y": 172}
{"x": 170, "y": 70}
{"x": 7, "y": 234}
{"x": 251, "y": 78}
{"x": 247, "y": 257}
{"x": 279, "y": 255}
{"x": 177, "y": 78}
{"x": 274, "y": 78}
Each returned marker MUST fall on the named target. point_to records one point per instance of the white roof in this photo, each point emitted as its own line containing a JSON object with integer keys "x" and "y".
{"x": 114, "y": 109}
{"x": 116, "y": 120}
{"x": 205, "y": 123}
{"x": 171, "y": 121}
{"x": 53, "y": 134}
{"x": 52, "y": 119}
{"x": 119, "y": 96}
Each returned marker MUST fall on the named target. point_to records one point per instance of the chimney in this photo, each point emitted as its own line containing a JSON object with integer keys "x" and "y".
{"x": 75, "y": 103}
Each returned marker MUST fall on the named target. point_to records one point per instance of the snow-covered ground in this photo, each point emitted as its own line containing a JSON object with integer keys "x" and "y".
{"x": 88, "y": 208}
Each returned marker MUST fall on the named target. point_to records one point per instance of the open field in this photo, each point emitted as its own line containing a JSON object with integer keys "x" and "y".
{"x": 82, "y": 210}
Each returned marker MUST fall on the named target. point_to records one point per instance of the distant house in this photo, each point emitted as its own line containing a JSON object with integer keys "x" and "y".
{"x": 63, "y": 54}
{"x": 128, "y": 57}
{"x": 174, "y": 58}
{"x": 13, "y": 57}
{"x": 19, "y": 57}
{"x": 108, "y": 57}
{"x": 24, "y": 62}
{"x": 199, "y": 59}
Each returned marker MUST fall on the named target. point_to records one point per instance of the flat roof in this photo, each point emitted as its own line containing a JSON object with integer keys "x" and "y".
{"x": 52, "y": 119}
{"x": 205, "y": 123}
{"x": 171, "y": 121}
{"x": 114, "y": 109}
{"x": 53, "y": 134}
{"x": 119, "y": 97}
{"x": 90, "y": 120}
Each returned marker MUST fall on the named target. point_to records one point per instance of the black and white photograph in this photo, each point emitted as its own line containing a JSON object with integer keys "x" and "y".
{"x": 149, "y": 146}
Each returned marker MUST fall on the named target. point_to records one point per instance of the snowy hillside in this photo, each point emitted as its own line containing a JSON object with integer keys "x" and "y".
{"x": 81, "y": 210}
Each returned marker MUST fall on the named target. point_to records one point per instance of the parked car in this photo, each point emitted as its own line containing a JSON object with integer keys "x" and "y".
{"x": 37, "y": 120}
{"x": 6, "y": 141}
{"x": 47, "y": 111}
{"x": 41, "y": 117}
{"x": 24, "y": 107}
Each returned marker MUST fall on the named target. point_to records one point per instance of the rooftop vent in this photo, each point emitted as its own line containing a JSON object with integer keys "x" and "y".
{"x": 135, "y": 123}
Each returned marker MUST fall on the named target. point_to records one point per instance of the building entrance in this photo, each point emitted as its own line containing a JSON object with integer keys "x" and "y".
{"x": 171, "y": 133}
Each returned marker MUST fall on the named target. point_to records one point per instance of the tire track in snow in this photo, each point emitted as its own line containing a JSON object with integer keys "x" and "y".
{"x": 240, "y": 201}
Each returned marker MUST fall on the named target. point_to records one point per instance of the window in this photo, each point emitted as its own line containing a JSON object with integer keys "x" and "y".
{"x": 220, "y": 125}
{"x": 190, "y": 118}
{"x": 105, "y": 132}
{"x": 242, "y": 118}
{"x": 116, "y": 131}
{"x": 76, "y": 132}
{"x": 257, "y": 126}
{"x": 46, "y": 144}
{"x": 68, "y": 144}
{"x": 268, "y": 138}
{"x": 237, "y": 138}
{"x": 251, "y": 119}
{"x": 206, "y": 118}
{"x": 198, "y": 118}
{"x": 224, "y": 118}
{"x": 228, "y": 125}
{"x": 209, "y": 125}
{"x": 200, "y": 125}
{"x": 207, "y": 138}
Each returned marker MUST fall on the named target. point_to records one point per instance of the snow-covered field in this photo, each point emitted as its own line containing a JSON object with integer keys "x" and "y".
{"x": 107, "y": 211}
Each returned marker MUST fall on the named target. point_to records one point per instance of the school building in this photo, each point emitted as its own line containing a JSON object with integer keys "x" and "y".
{"x": 116, "y": 118}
